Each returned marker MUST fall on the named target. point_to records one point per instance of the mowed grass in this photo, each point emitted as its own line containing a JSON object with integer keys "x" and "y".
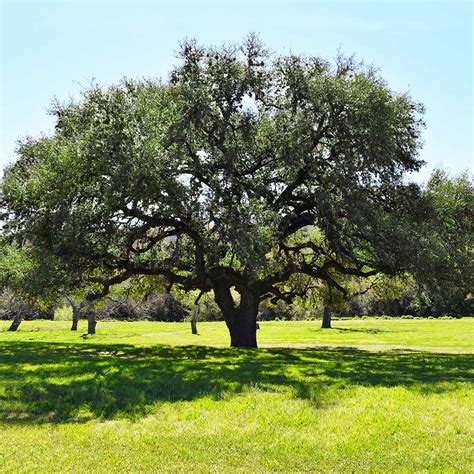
{"x": 369, "y": 395}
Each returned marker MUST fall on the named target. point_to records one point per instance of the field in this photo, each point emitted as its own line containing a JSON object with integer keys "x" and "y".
{"x": 369, "y": 395}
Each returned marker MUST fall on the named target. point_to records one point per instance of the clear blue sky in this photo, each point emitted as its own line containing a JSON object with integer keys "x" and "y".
{"x": 53, "y": 48}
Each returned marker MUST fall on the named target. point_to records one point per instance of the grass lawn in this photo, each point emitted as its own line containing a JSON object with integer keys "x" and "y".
{"x": 369, "y": 395}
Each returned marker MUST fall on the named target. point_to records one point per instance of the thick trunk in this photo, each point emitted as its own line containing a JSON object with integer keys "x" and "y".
{"x": 326, "y": 318}
{"x": 91, "y": 323}
{"x": 244, "y": 330}
{"x": 15, "y": 323}
{"x": 75, "y": 318}
{"x": 243, "y": 333}
{"x": 242, "y": 320}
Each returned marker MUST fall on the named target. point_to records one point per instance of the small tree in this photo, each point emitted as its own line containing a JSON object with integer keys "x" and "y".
{"x": 214, "y": 179}
{"x": 79, "y": 306}
{"x": 24, "y": 281}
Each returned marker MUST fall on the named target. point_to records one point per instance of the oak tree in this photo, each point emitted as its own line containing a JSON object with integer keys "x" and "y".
{"x": 215, "y": 178}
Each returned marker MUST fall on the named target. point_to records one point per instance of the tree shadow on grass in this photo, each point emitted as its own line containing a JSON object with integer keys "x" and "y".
{"x": 59, "y": 383}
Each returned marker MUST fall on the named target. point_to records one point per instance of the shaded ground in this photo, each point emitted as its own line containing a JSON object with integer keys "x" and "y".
{"x": 138, "y": 397}
{"x": 59, "y": 382}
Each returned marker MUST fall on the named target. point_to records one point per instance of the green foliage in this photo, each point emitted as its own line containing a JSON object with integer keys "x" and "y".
{"x": 446, "y": 267}
{"x": 25, "y": 290}
{"x": 14, "y": 265}
{"x": 216, "y": 179}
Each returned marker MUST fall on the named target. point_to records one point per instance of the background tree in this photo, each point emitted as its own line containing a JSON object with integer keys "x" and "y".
{"x": 25, "y": 284}
{"x": 213, "y": 178}
{"x": 14, "y": 267}
{"x": 79, "y": 306}
{"x": 446, "y": 274}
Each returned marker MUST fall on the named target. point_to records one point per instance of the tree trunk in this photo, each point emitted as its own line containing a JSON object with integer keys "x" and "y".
{"x": 193, "y": 326}
{"x": 15, "y": 323}
{"x": 194, "y": 319}
{"x": 243, "y": 333}
{"x": 242, "y": 320}
{"x": 91, "y": 322}
{"x": 326, "y": 318}
{"x": 75, "y": 317}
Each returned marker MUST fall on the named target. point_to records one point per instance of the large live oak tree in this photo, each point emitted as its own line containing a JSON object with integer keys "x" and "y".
{"x": 216, "y": 178}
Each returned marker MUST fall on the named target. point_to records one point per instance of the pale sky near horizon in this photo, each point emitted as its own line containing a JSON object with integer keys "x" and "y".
{"x": 53, "y": 48}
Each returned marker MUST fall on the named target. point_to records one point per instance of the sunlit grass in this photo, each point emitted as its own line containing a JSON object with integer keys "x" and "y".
{"x": 153, "y": 397}
{"x": 451, "y": 335}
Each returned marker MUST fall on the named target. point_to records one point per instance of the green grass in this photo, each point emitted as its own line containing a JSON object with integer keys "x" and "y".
{"x": 369, "y": 395}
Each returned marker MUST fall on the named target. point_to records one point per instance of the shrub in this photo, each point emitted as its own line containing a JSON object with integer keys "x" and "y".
{"x": 12, "y": 305}
{"x": 121, "y": 309}
{"x": 162, "y": 308}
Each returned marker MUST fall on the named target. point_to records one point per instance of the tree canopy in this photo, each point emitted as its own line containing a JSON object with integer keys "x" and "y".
{"x": 447, "y": 270}
{"x": 217, "y": 178}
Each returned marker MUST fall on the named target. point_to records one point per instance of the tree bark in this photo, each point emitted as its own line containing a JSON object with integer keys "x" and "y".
{"x": 194, "y": 319}
{"x": 326, "y": 318}
{"x": 91, "y": 322}
{"x": 75, "y": 317}
{"x": 244, "y": 331}
{"x": 242, "y": 320}
{"x": 193, "y": 326}
{"x": 15, "y": 323}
